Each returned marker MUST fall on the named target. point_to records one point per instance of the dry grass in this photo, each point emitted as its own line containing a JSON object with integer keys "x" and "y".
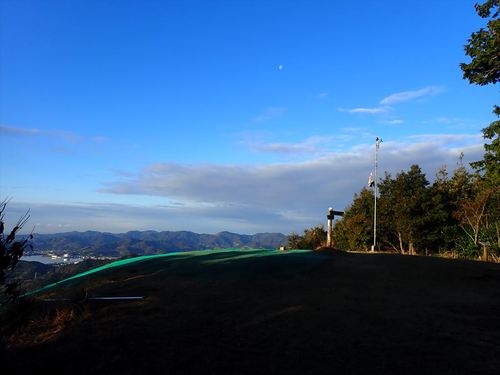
{"x": 454, "y": 255}
{"x": 317, "y": 313}
{"x": 43, "y": 330}
{"x": 36, "y": 323}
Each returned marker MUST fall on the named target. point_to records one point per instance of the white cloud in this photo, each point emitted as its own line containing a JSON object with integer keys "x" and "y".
{"x": 119, "y": 218}
{"x": 56, "y": 134}
{"x": 406, "y": 96}
{"x": 393, "y": 122}
{"x": 280, "y": 197}
{"x": 396, "y": 98}
{"x": 285, "y": 196}
{"x": 15, "y": 131}
{"x": 270, "y": 113}
{"x": 370, "y": 111}
{"x": 446, "y": 139}
{"x": 309, "y": 145}
{"x": 322, "y": 95}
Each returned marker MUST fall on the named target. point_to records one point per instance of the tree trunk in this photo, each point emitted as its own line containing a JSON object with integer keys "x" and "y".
{"x": 410, "y": 248}
{"x": 498, "y": 234}
{"x": 401, "y": 248}
{"x": 485, "y": 253}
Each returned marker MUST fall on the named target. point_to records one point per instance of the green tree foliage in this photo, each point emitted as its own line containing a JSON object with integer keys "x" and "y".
{"x": 10, "y": 253}
{"x": 483, "y": 47}
{"x": 355, "y": 230}
{"x": 484, "y": 50}
{"x": 446, "y": 196}
{"x": 459, "y": 213}
{"x": 404, "y": 198}
{"x": 487, "y": 189}
{"x": 489, "y": 167}
{"x": 472, "y": 211}
{"x": 311, "y": 239}
{"x": 434, "y": 232}
{"x": 455, "y": 213}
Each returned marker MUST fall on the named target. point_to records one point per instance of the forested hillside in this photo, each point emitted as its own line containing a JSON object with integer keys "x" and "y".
{"x": 149, "y": 242}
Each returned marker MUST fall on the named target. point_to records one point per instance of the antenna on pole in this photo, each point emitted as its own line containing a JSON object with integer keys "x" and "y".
{"x": 377, "y": 146}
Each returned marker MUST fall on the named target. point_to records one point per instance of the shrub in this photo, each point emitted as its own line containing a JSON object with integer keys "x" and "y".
{"x": 10, "y": 253}
{"x": 312, "y": 239}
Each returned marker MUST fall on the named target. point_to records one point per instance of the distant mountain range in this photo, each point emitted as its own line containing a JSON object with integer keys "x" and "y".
{"x": 148, "y": 242}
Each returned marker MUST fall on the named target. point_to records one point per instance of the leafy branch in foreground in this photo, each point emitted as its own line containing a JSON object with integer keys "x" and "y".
{"x": 483, "y": 47}
{"x": 10, "y": 253}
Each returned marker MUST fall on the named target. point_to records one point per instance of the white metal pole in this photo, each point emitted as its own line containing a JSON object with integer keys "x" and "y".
{"x": 330, "y": 218}
{"x": 377, "y": 145}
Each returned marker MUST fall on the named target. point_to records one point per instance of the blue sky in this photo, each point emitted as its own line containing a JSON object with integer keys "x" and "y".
{"x": 247, "y": 116}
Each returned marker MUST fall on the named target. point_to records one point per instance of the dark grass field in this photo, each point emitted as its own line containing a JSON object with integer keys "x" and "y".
{"x": 257, "y": 312}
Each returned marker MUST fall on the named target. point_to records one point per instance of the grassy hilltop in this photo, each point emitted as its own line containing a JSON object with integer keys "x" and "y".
{"x": 266, "y": 312}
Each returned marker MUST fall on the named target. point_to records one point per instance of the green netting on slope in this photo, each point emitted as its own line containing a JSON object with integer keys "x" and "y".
{"x": 231, "y": 255}
{"x": 246, "y": 254}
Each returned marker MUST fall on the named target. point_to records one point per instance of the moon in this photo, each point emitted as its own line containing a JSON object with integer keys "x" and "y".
{"x": 280, "y": 67}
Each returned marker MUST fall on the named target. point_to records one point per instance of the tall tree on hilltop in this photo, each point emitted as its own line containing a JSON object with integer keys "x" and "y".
{"x": 403, "y": 201}
{"x": 355, "y": 230}
{"x": 472, "y": 212}
{"x": 451, "y": 193}
{"x": 483, "y": 48}
{"x": 386, "y": 226}
{"x": 435, "y": 218}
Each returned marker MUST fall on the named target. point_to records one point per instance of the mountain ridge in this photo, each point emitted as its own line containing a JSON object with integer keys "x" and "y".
{"x": 97, "y": 243}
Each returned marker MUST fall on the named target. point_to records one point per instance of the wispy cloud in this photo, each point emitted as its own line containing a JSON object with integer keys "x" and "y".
{"x": 393, "y": 122}
{"x": 405, "y": 96}
{"x": 322, "y": 95}
{"x": 22, "y": 132}
{"x": 309, "y": 145}
{"x": 270, "y": 113}
{"x": 67, "y": 136}
{"x": 445, "y": 120}
{"x": 365, "y": 110}
{"x": 385, "y": 105}
{"x": 446, "y": 139}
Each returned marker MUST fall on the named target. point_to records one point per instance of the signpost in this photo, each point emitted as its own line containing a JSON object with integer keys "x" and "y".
{"x": 331, "y": 216}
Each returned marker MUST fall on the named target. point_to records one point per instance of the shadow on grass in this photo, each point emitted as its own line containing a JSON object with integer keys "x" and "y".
{"x": 204, "y": 264}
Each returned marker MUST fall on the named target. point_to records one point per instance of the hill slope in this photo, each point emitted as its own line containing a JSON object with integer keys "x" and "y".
{"x": 249, "y": 312}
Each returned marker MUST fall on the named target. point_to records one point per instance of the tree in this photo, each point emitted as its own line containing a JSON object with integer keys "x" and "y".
{"x": 10, "y": 253}
{"x": 483, "y": 48}
{"x": 312, "y": 239}
{"x": 472, "y": 212}
{"x": 435, "y": 218}
{"x": 402, "y": 202}
{"x": 489, "y": 167}
{"x": 355, "y": 230}
{"x": 386, "y": 226}
{"x": 446, "y": 199}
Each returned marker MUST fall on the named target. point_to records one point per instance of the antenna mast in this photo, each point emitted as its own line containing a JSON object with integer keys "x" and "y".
{"x": 377, "y": 146}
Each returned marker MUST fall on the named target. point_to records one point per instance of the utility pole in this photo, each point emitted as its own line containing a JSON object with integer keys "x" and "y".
{"x": 377, "y": 146}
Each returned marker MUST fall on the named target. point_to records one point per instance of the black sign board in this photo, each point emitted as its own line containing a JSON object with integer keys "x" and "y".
{"x": 331, "y": 215}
